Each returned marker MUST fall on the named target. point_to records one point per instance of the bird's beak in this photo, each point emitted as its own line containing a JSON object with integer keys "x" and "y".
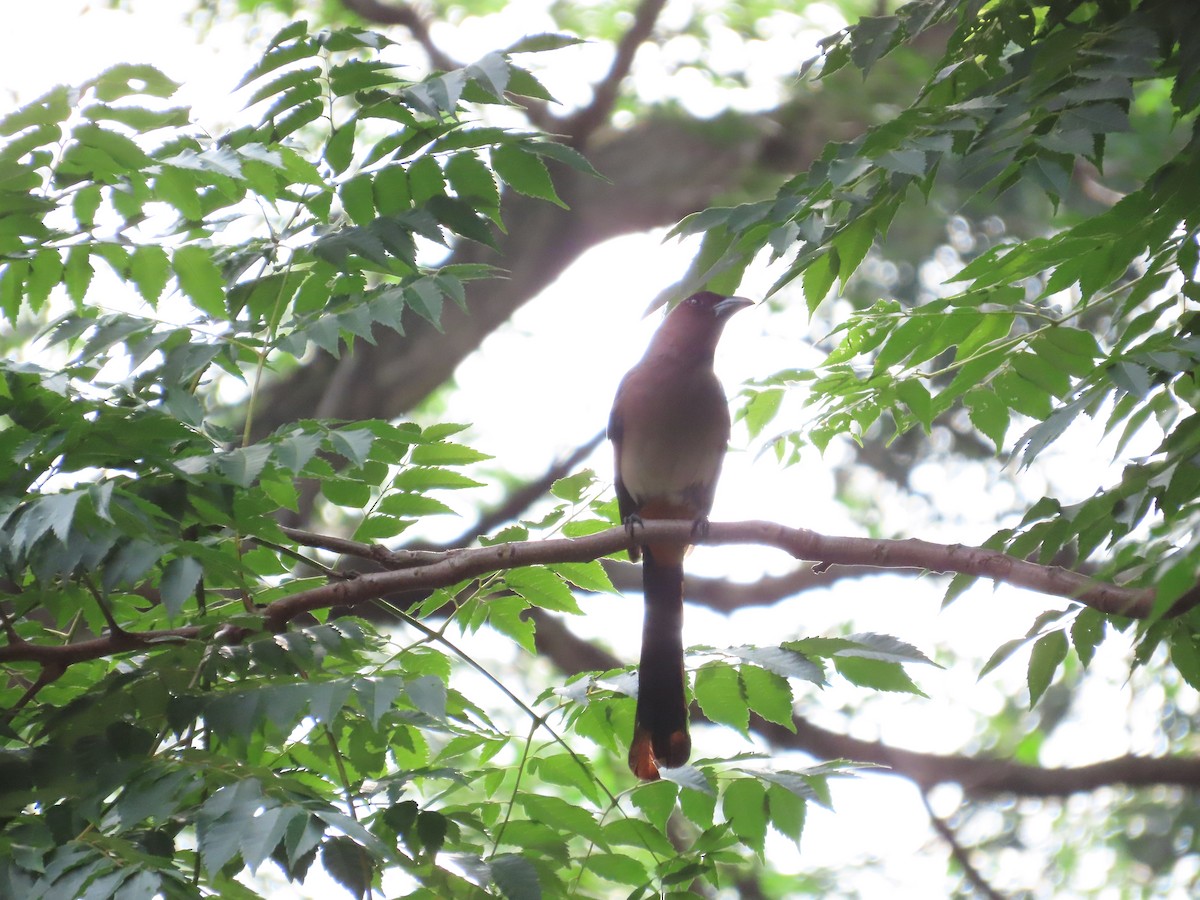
{"x": 730, "y": 305}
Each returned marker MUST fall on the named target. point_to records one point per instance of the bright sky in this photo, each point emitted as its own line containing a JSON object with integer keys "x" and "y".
{"x": 504, "y": 390}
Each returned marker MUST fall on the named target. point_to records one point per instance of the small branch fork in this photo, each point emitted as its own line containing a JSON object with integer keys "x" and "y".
{"x": 580, "y": 126}
{"x": 424, "y": 570}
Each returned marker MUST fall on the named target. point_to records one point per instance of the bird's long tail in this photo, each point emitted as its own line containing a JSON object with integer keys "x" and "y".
{"x": 660, "y": 729}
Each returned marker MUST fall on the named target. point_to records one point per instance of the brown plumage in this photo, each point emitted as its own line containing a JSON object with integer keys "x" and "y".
{"x": 669, "y": 427}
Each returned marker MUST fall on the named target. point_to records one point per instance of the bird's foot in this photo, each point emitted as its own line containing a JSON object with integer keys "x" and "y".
{"x": 700, "y": 529}
{"x": 634, "y": 527}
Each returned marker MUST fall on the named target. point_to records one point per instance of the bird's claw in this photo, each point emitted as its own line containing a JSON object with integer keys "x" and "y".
{"x": 700, "y": 529}
{"x": 634, "y": 526}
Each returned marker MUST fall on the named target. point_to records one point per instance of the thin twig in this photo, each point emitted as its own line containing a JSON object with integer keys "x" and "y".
{"x": 960, "y": 853}
{"x": 404, "y": 15}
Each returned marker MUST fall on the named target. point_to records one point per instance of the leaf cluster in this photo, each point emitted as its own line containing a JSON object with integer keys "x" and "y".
{"x": 1094, "y": 319}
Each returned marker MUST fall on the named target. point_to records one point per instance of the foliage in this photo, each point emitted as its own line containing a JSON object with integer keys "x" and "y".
{"x": 159, "y": 740}
{"x": 1095, "y": 318}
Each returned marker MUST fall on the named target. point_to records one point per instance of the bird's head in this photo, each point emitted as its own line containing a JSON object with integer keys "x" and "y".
{"x": 694, "y": 326}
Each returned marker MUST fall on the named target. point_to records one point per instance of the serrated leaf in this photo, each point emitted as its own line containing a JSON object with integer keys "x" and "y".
{"x": 1048, "y": 653}
{"x": 149, "y": 270}
{"x": 1185, "y": 654}
{"x": 505, "y": 615}
{"x": 516, "y": 877}
{"x": 422, "y": 478}
{"x": 127, "y": 79}
{"x": 618, "y": 868}
{"x": 349, "y": 864}
{"x": 200, "y": 279}
{"x": 428, "y": 694}
{"x": 542, "y": 588}
{"x": 538, "y": 43}
{"x": 1002, "y": 653}
{"x": 77, "y": 274}
{"x": 339, "y": 149}
{"x": 446, "y": 453}
{"x": 868, "y": 645}
{"x": 989, "y": 414}
{"x": 1087, "y": 631}
{"x": 656, "y": 800}
{"x": 588, "y": 576}
{"x": 354, "y": 443}
{"x": 769, "y": 695}
{"x": 719, "y": 694}
{"x": 744, "y": 805}
{"x": 524, "y": 172}
{"x": 876, "y": 674}
{"x": 783, "y": 661}
{"x": 179, "y": 581}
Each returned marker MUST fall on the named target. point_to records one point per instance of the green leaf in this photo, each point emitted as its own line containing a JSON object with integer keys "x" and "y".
{"x": 989, "y": 414}
{"x": 744, "y": 804}
{"x": 129, "y": 79}
{"x": 44, "y": 275}
{"x": 656, "y": 800}
{"x": 542, "y": 588}
{"x": 785, "y": 661}
{"x": 516, "y": 877}
{"x": 349, "y": 864}
{"x": 868, "y": 645}
{"x": 569, "y": 771}
{"x": 84, "y": 205}
{"x": 505, "y": 615}
{"x": 149, "y": 270}
{"x": 422, "y": 478}
{"x": 425, "y": 180}
{"x": 179, "y": 581}
{"x": 77, "y": 273}
{"x": 819, "y": 278}
{"x": 339, "y": 149}
{"x": 12, "y": 288}
{"x": 719, "y": 693}
{"x": 1087, "y": 631}
{"x": 761, "y": 409}
{"x": 618, "y": 868}
{"x": 524, "y": 172}
{"x": 51, "y": 108}
{"x": 769, "y": 695}
{"x": 916, "y": 397}
{"x": 786, "y": 811}
{"x": 200, "y": 279}
{"x": 876, "y": 674}
{"x": 1036, "y": 369}
{"x": 588, "y": 576}
{"x": 538, "y": 43}
{"x": 446, "y": 453}
{"x": 1048, "y": 653}
{"x": 428, "y": 694}
{"x": 1185, "y": 654}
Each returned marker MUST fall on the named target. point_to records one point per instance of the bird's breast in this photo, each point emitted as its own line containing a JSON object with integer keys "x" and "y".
{"x": 673, "y": 440}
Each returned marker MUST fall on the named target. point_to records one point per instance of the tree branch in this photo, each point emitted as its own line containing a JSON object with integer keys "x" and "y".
{"x": 516, "y": 503}
{"x": 429, "y": 570}
{"x": 604, "y": 94}
{"x": 979, "y": 777}
{"x": 460, "y": 565}
{"x": 726, "y": 596}
{"x": 959, "y": 852}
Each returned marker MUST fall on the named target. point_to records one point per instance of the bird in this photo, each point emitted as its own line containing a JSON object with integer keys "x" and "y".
{"x": 669, "y": 428}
